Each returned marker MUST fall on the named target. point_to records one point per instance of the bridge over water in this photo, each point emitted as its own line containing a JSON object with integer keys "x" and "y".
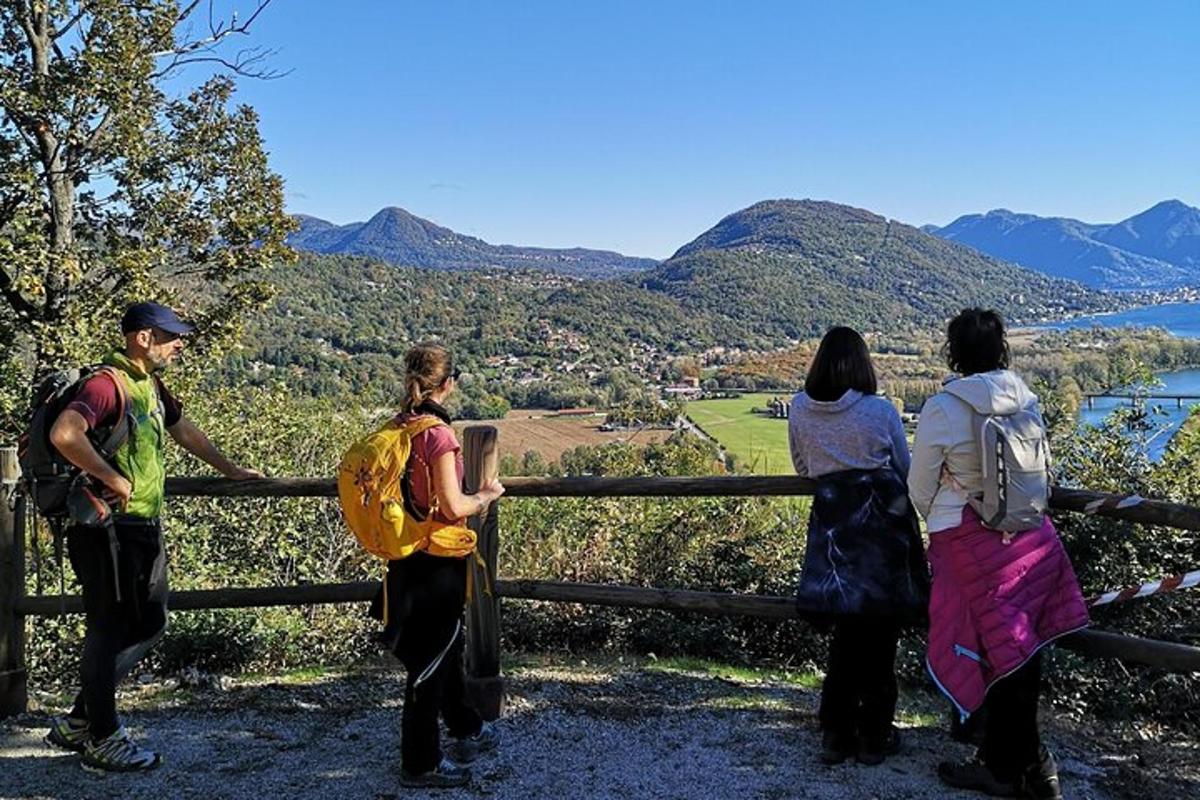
{"x": 1180, "y": 399}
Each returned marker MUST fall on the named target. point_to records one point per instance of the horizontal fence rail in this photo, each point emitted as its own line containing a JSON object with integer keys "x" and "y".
{"x": 1164, "y": 655}
{"x": 1130, "y": 508}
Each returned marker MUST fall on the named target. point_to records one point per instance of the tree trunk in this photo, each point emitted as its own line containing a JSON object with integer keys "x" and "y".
{"x": 62, "y": 269}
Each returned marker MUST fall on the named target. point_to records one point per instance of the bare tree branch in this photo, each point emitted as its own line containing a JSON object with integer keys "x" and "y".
{"x": 187, "y": 10}
{"x": 217, "y": 30}
{"x": 242, "y": 64}
{"x": 204, "y": 50}
{"x": 57, "y": 33}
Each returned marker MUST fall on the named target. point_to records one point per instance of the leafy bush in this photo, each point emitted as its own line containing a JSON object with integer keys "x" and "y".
{"x": 1109, "y": 554}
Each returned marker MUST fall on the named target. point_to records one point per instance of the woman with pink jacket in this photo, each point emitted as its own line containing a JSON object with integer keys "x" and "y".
{"x": 997, "y": 598}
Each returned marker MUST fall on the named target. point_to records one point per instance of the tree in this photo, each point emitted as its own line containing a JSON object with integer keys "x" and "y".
{"x": 110, "y": 188}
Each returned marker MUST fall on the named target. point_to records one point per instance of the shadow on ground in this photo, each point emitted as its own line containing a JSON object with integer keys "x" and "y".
{"x": 569, "y": 731}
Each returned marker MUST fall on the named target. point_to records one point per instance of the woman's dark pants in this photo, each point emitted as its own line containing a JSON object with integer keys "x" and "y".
{"x": 429, "y": 593}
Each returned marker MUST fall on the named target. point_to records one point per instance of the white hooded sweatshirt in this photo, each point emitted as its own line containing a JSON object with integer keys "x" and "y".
{"x": 946, "y": 445}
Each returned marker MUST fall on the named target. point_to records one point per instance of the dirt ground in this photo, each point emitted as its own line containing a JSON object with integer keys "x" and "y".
{"x": 570, "y": 730}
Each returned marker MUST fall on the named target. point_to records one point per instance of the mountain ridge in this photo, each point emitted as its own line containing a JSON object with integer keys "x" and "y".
{"x": 792, "y": 268}
{"x": 397, "y": 236}
{"x": 1156, "y": 249}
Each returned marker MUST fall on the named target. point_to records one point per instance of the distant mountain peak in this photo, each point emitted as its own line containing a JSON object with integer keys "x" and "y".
{"x": 1172, "y": 205}
{"x": 795, "y": 267}
{"x": 1156, "y": 249}
{"x": 775, "y": 223}
{"x": 398, "y": 236}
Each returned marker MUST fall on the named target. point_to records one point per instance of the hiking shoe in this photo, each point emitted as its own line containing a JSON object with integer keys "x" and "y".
{"x": 119, "y": 753}
{"x": 445, "y": 775}
{"x": 873, "y": 752}
{"x": 975, "y": 775}
{"x": 469, "y": 748}
{"x": 837, "y": 747}
{"x": 1040, "y": 780}
{"x": 67, "y": 733}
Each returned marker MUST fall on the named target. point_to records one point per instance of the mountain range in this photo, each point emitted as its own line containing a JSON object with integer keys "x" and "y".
{"x": 1158, "y": 249}
{"x": 398, "y": 237}
{"x": 761, "y": 278}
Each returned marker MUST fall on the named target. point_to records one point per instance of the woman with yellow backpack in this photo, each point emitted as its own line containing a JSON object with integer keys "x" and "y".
{"x": 401, "y": 491}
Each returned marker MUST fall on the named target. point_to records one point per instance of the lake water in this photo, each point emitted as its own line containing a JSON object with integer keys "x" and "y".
{"x": 1180, "y": 319}
{"x": 1167, "y": 417}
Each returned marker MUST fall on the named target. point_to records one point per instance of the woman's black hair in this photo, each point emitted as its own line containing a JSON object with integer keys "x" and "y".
{"x": 975, "y": 342}
{"x": 842, "y": 362}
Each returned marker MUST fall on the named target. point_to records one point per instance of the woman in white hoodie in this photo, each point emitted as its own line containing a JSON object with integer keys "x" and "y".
{"x": 997, "y": 598}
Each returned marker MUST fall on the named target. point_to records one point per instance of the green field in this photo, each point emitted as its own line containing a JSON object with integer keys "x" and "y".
{"x": 758, "y": 442}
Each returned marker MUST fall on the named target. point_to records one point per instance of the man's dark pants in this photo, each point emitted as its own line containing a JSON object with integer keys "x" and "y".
{"x": 125, "y": 604}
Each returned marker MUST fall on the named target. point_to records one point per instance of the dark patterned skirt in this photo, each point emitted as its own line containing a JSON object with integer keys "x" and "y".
{"x": 864, "y": 554}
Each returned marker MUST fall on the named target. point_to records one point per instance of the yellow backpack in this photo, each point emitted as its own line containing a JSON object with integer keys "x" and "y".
{"x": 369, "y": 488}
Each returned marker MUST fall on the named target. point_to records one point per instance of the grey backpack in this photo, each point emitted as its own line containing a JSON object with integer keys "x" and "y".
{"x": 1016, "y": 470}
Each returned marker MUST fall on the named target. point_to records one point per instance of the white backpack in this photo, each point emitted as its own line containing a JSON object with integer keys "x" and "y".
{"x": 1016, "y": 469}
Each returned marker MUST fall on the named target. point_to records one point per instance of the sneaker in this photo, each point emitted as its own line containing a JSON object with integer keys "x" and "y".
{"x": 1040, "y": 780}
{"x": 119, "y": 753}
{"x": 837, "y": 747}
{"x": 975, "y": 775}
{"x": 68, "y": 733}
{"x": 469, "y": 748}
{"x": 873, "y": 752}
{"x": 444, "y": 776}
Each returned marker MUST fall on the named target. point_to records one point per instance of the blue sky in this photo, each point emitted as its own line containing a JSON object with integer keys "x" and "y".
{"x": 636, "y": 126}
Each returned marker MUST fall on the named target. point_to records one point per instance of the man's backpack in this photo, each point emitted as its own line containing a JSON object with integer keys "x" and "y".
{"x": 1016, "y": 470}
{"x": 372, "y": 487}
{"x": 57, "y": 487}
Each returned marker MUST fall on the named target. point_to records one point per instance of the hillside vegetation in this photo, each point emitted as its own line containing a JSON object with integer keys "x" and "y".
{"x": 763, "y": 278}
{"x": 787, "y": 269}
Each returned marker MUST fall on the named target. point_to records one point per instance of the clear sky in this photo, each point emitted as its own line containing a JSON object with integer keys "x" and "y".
{"x": 635, "y": 126}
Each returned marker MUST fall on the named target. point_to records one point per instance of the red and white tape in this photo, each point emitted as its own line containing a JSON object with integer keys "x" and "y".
{"x": 1187, "y": 580}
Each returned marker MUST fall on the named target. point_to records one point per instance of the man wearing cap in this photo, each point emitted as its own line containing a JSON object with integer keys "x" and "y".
{"x": 124, "y": 579}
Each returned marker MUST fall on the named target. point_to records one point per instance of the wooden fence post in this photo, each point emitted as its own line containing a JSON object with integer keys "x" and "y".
{"x": 13, "y": 696}
{"x": 484, "y": 685}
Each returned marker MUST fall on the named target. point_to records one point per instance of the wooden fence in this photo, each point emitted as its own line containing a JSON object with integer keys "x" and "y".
{"x": 484, "y": 682}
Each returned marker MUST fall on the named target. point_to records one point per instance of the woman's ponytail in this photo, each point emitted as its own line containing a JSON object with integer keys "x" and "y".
{"x": 426, "y": 367}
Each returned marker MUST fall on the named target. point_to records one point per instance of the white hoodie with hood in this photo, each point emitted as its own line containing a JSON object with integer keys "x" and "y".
{"x": 946, "y": 444}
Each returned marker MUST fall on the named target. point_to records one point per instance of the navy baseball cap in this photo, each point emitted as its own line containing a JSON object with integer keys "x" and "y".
{"x": 140, "y": 316}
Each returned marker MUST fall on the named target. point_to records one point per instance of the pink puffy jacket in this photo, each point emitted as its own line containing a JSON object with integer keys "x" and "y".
{"x": 994, "y": 605}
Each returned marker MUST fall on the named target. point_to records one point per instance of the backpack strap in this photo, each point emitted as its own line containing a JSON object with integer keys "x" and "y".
{"x": 121, "y": 430}
{"x": 410, "y": 505}
{"x": 977, "y": 436}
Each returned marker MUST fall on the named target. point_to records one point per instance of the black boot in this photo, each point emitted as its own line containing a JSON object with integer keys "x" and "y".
{"x": 874, "y": 749}
{"x": 975, "y": 775}
{"x": 1039, "y": 781}
{"x": 837, "y": 746}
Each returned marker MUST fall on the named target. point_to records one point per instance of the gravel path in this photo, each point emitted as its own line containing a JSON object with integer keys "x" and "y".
{"x": 570, "y": 731}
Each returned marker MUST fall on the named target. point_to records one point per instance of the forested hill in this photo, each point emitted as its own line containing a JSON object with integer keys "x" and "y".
{"x": 398, "y": 237}
{"x": 791, "y": 268}
{"x": 341, "y": 324}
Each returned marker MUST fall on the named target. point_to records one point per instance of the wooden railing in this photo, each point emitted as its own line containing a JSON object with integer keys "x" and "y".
{"x": 484, "y": 683}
